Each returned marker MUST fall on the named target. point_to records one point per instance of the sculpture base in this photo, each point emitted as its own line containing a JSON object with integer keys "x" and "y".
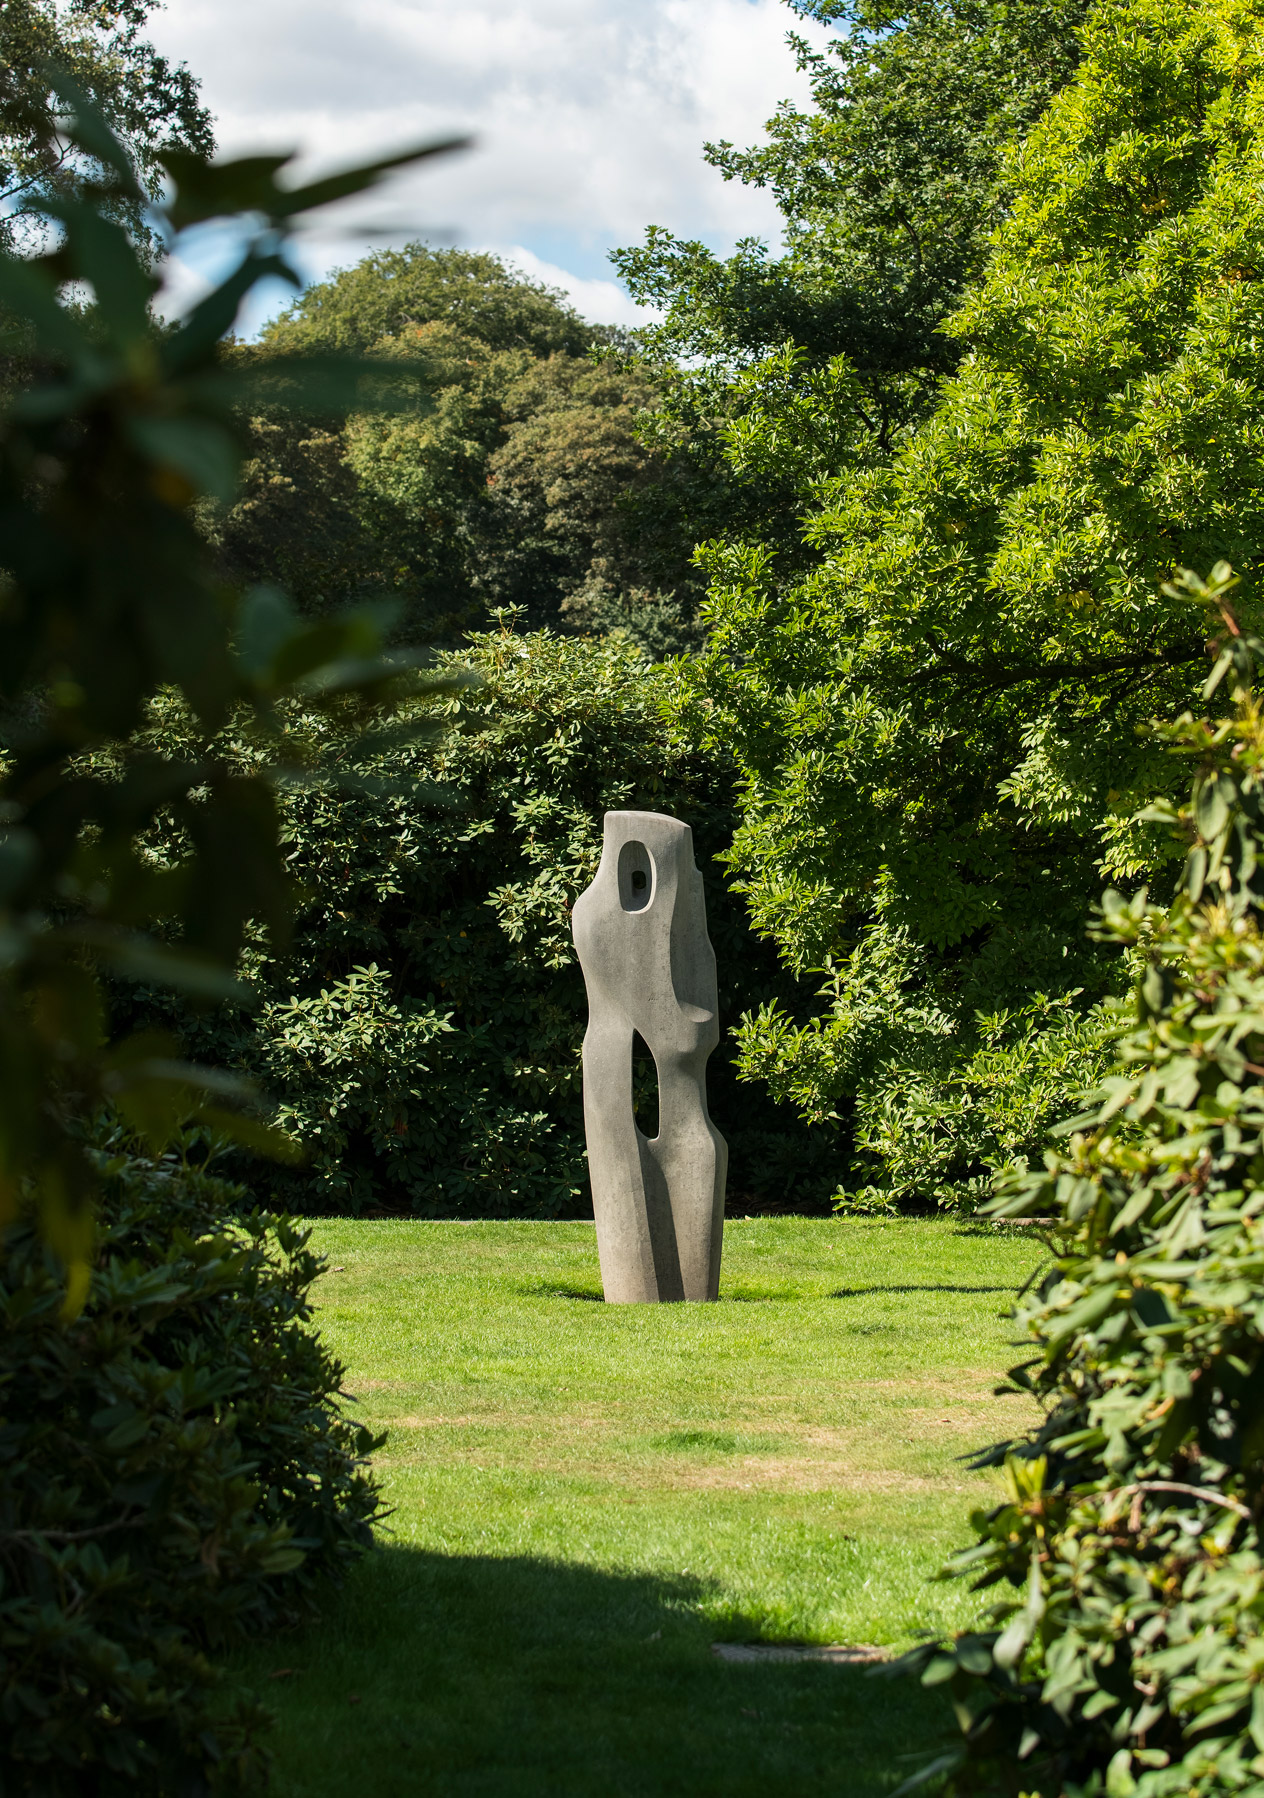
{"x": 651, "y": 1251}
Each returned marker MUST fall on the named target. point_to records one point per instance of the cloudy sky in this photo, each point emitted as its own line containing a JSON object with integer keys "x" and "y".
{"x": 590, "y": 116}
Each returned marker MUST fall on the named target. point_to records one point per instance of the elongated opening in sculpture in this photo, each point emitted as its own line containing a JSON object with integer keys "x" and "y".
{"x": 645, "y": 1107}
{"x": 636, "y": 876}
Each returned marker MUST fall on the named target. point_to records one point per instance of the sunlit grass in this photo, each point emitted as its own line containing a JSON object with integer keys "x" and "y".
{"x": 587, "y": 1496}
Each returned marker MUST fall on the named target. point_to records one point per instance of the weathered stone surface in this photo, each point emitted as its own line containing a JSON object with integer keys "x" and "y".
{"x": 641, "y": 933}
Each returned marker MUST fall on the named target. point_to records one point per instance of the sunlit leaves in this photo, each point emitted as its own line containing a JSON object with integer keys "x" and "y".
{"x": 942, "y": 723}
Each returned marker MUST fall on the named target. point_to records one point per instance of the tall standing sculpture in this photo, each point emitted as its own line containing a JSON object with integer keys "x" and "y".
{"x": 641, "y": 933}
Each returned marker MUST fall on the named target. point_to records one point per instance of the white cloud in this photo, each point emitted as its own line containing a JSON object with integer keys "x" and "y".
{"x": 590, "y": 115}
{"x": 603, "y": 302}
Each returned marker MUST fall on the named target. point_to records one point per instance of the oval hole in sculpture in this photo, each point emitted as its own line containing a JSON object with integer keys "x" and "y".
{"x": 636, "y": 876}
{"x": 644, "y": 1086}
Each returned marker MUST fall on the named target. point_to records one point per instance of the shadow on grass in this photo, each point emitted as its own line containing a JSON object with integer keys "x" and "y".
{"x": 860, "y": 1292}
{"x": 545, "y": 1291}
{"x": 548, "y": 1290}
{"x": 473, "y": 1677}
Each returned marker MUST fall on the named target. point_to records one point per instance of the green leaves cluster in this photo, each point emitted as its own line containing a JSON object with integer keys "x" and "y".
{"x": 942, "y": 1135}
{"x": 176, "y": 1471}
{"x": 889, "y": 186}
{"x": 421, "y": 1036}
{"x": 508, "y": 481}
{"x": 175, "y": 1467}
{"x": 390, "y": 292}
{"x": 1132, "y": 1648}
{"x": 150, "y": 105}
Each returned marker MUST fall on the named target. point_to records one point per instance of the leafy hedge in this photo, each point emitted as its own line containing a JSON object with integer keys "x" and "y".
{"x": 940, "y": 1136}
{"x": 175, "y": 1469}
{"x": 946, "y": 1118}
{"x": 1130, "y": 1656}
{"x": 422, "y": 1036}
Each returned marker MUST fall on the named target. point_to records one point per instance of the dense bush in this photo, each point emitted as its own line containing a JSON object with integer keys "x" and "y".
{"x": 1132, "y": 1649}
{"x": 939, "y": 1135}
{"x": 175, "y": 1469}
{"x": 422, "y": 1035}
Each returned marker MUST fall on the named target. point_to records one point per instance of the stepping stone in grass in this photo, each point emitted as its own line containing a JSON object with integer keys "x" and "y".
{"x": 839, "y": 1654}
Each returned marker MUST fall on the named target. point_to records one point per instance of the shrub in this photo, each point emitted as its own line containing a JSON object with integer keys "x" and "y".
{"x": 422, "y": 1037}
{"x": 175, "y": 1469}
{"x": 1132, "y": 1649}
{"x": 941, "y": 1137}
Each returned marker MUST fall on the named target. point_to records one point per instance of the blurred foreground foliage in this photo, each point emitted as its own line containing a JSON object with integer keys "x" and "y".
{"x": 107, "y": 597}
{"x": 175, "y": 1464}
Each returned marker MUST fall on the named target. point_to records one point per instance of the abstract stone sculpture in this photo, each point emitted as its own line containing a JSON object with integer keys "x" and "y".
{"x": 641, "y": 933}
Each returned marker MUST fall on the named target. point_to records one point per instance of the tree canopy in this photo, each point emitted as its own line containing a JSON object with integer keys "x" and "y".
{"x": 147, "y": 101}
{"x": 889, "y": 186}
{"x": 391, "y": 291}
{"x": 937, "y": 723}
{"x": 511, "y": 480}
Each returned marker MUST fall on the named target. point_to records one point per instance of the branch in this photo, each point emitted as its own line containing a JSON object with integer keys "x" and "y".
{"x": 39, "y": 175}
{"x": 39, "y": 1537}
{"x": 1204, "y": 1492}
{"x": 1010, "y": 677}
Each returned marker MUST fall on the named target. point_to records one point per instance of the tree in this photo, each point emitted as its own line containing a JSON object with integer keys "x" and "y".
{"x": 147, "y": 102}
{"x": 889, "y": 187}
{"x": 391, "y": 291}
{"x": 507, "y": 483}
{"x": 937, "y": 727}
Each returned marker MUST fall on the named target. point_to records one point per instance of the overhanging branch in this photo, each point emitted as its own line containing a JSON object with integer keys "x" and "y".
{"x": 996, "y": 675}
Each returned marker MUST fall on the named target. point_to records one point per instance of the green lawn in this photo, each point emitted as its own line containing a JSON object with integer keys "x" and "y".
{"x": 588, "y": 1496}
